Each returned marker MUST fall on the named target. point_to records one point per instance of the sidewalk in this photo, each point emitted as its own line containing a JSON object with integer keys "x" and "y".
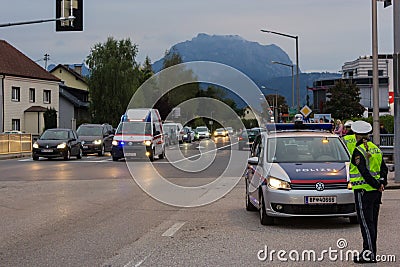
{"x": 16, "y": 155}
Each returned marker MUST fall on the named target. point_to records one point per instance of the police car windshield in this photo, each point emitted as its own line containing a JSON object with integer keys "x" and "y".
{"x": 134, "y": 128}
{"x": 306, "y": 149}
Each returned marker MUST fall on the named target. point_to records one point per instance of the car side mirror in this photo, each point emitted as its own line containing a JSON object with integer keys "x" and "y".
{"x": 253, "y": 161}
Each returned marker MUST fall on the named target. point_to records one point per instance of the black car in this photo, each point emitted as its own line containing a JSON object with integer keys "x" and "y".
{"x": 96, "y": 138}
{"x": 57, "y": 142}
{"x": 246, "y": 139}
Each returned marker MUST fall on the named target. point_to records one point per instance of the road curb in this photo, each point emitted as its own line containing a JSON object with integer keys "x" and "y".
{"x": 14, "y": 156}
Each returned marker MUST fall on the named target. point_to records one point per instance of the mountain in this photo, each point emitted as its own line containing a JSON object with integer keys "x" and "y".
{"x": 251, "y": 58}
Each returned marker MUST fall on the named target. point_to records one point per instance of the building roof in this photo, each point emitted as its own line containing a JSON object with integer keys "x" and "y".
{"x": 36, "y": 109}
{"x": 69, "y": 70}
{"x": 64, "y": 92}
{"x": 15, "y": 63}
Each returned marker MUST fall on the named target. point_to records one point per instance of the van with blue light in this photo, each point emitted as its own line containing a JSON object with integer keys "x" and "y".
{"x": 139, "y": 135}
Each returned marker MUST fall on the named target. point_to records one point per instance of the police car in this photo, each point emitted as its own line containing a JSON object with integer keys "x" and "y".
{"x": 298, "y": 170}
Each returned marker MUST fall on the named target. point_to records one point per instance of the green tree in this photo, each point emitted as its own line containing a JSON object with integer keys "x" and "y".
{"x": 50, "y": 118}
{"x": 114, "y": 78}
{"x": 344, "y": 101}
{"x": 179, "y": 94}
{"x": 146, "y": 71}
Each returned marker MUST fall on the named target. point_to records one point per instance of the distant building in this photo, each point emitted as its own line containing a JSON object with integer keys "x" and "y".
{"x": 26, "y": 91}
{"x": 74, "y": 95}
{"x": 359, "y": 72}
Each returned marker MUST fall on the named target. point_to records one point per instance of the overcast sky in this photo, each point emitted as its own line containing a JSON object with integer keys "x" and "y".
{"x": 330, "y": 32}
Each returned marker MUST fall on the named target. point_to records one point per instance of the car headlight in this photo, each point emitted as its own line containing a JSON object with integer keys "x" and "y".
{"x": 35, "y": 145}
{"x": 275, "y": 183}
{"x": 62, "y": 145}
{"x": 114, "y": 143}
{"x": 147, "y": 143}
{"x": 97, "y": 142}
{"x": 185, "y": 136}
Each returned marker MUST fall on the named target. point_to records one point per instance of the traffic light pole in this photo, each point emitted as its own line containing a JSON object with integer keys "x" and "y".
{"x": 71, "y": 18}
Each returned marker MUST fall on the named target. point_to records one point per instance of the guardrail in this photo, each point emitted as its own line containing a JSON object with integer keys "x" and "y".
{"x": 15, "y": 143}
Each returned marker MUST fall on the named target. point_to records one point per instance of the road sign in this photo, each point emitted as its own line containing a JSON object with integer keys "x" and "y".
{"x": 306, "y": 111}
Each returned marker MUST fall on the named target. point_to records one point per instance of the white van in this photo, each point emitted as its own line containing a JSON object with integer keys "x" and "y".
{"x": 139, "y": 134}
{"x": 173, "y": 130}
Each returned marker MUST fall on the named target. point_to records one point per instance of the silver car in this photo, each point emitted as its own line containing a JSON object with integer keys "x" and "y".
{"x": 295, "y": 173}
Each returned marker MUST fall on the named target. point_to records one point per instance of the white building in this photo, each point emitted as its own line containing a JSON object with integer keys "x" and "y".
{"x": 360, "y": 71}
{"x": 26, "y": 91}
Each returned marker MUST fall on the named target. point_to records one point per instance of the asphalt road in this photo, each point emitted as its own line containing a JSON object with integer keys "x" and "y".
{"x": 91, "y": 212}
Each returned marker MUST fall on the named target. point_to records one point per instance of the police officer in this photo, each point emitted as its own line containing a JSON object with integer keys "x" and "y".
{"x": 368, "y": 177}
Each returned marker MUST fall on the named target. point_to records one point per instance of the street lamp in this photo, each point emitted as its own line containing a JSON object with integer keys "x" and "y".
{"x": 291, "y": 66}
{"x": 297, "y": 62}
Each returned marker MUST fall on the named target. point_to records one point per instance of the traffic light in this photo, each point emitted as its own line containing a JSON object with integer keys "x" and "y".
{"x": 65, "y": 11}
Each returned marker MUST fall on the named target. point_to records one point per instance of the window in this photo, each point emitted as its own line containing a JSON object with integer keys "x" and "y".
{"x": 47, "y": 96}
{"x": 16, "y": 126}
{"x": 31, "y": 95}
{"x": 15, "y": 94}
{"x": 380, "y": 73}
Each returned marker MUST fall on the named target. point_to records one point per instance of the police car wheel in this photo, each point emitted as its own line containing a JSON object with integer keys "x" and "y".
{"x": 353, "y": 220}
{"x": 264, "y": 218}
{"x": 249, "y": 205}
{"x": 115, "y": 158}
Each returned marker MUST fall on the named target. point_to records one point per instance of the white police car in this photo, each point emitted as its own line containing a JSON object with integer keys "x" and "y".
{"x": 299, "y": 170}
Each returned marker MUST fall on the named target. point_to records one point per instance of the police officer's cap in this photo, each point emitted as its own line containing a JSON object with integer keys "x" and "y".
{"x": 361, "y": 127}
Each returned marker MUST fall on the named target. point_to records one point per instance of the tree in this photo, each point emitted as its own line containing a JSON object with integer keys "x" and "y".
{"x": 179, "y": 94}
{"x": 114, "y": 79}
{"x": 50, "y": 118}
{"x": 344, "y": 101}
{"x": 146, "y": 71}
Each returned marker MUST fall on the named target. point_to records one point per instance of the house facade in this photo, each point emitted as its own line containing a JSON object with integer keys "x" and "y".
{"x": 359, "y": 72}
{"x": 26, "y": 91}
{"x": 74, "y": 95}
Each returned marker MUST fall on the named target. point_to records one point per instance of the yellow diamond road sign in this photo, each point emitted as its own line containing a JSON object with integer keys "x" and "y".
{"x": 306, "y": 111}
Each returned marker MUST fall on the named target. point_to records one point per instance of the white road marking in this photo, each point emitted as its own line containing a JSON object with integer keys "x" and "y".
{"x": 173, "y": 229}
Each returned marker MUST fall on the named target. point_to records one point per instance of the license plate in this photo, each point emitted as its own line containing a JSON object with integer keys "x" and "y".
{"x": 85, "y": 147}
{"x": 320, "y": 200}
{"x": 47, "y": 150}
{"x": 130, "y": 154}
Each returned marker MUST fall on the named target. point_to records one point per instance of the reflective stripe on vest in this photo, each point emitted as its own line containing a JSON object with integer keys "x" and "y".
{"x": 373, "y": 163}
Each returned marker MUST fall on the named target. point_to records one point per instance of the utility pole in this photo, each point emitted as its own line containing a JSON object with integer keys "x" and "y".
{"x": 46, "y": 58}
{"x": 375, "y": 78}
{"x": 396, "y": 84}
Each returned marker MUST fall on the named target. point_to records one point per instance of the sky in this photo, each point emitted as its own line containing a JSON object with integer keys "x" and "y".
{"x": 329, "y": 32}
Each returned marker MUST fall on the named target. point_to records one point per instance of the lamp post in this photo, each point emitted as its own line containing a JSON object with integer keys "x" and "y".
{"x": 297, "y": 61}
{"x": 291, "y": 66}
{"x": 275, "y": 104}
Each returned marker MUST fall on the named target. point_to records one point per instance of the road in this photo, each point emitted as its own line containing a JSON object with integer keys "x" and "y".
{"x": 91, "y": 212}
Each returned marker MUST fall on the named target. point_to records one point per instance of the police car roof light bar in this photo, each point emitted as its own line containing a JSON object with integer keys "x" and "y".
{"x": 299, "y": 126}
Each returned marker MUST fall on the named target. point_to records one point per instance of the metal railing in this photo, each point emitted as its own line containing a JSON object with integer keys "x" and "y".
{"x": 15, "y": 143}
{"x": 386, "y": 144}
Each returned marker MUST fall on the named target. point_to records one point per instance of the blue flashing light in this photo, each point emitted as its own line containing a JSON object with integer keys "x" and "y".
{"x": 299, "y": 126}
{"x": 122, "y": 143}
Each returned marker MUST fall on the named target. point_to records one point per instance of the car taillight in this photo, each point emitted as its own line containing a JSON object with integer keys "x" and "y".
{"x": 240, "y": 138}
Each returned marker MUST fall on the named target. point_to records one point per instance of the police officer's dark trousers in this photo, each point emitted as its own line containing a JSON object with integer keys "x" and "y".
{"x": 367, "y": 206}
